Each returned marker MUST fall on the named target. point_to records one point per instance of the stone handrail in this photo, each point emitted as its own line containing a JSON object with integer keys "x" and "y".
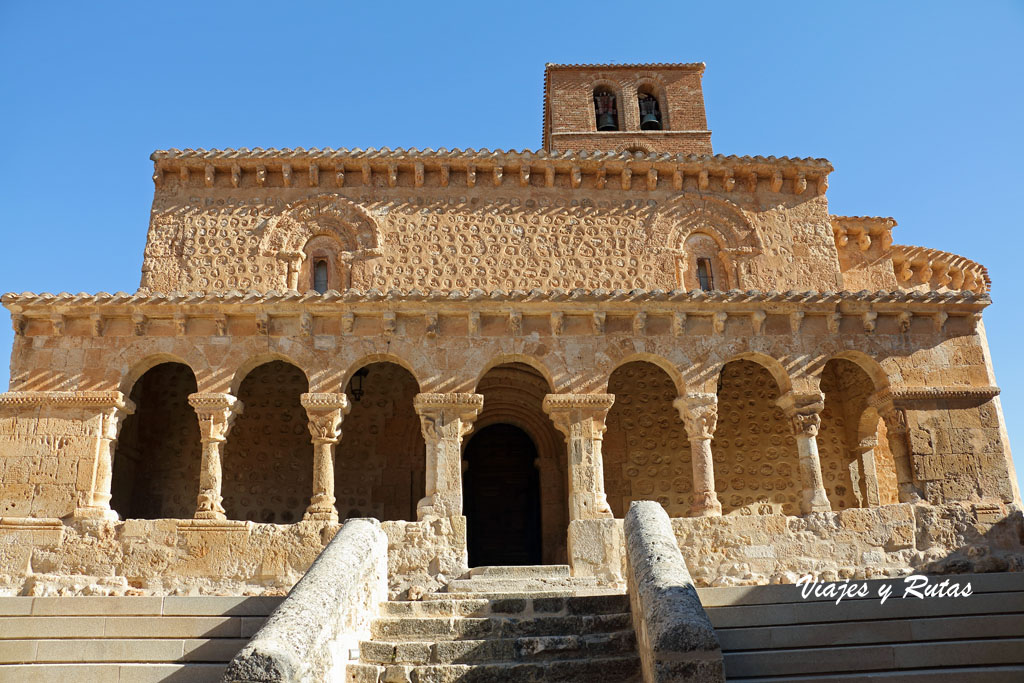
{"x": 308, "y": 637}
{"x": 675, "y": 639}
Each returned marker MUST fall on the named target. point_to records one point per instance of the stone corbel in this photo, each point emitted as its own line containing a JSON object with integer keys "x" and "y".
{"x": 216, "y": 413}
{"x": 183, "y": 174}
{"x": 390, "y": 322}
{"x": 939, "y": 321}
{"x": 515, "y": 323}
{"x": 444, "y": 175}
{"x": 286, "y": 174}
{"x": 718, "y": 319}
{"x": 869, "y": 319}
{"x": 549, "y": 175}
{"x": 639, "y": 323}
{"x": 57, "y": 323}
{"x": 339, "y": 176}
{"x": 367, "y": 172}
{"x": 18, "y": 322}
{"x": 261, "y": 175}
{"x": 418, "y": 174}
{"x": 652, "y": 179}
{"x": 209, "y": 175}
{"x": 314, "y": 175}
{"x": 822, "y": 187}
{"x": 180, "y": 324}
{"x": 139, "y": 324}
{"x": 496, "y": 174}
{"x": 678, "y": 324}
{"x": 903, "y": 320}
{"x": 752, "y": 182}
{"x": 471, "y": 176}
{"x": 392, "y": 175}
{"x": 473, "y": 323}
{"x": 221, "y": 323}
{"x": 757, "y": 319}
{"x": 600, "y": 320}
{"x": 799, "y": 184}
{"x": 776, "y": 181}
{"x": 97, "y": 324}
{"x": 728, "y": 180}
{"x": 306, "y": 324}
{"x": 524, "y": 175}
{"x": 834, "y": 320}
{"x": 444, "y": 419}
{"x": 433, "y": 325}
{"x": 677, "y": 180}
{"x": 703, "y": 183}
{"x": 600, "y": 179}
{"x": 575, "y": 177}
{"x": 236, "y": 175}
{"x": 626, "y": 178}
{"x": 581, "y": 419}
{"x": 262, "y": 323}
{"x": 348, "y": 322}
{"x": 796, "y": 321}
{"x": 557, "y": 323}
{"x": 864, "y": 240}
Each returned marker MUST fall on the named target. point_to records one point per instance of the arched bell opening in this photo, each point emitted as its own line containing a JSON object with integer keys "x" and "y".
{"x": 268, "y": 457}
{"x": 645, "y": 449}
{"x": 756, "y": 463}
{"x": 158, "y": 452}
{"x": 606, "y": 110}
{"x": 650, "y": 111}
{"x": 380, "y": 462}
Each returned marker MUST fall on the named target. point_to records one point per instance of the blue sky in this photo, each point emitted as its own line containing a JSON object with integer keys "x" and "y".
{"x": 918, "y": 106}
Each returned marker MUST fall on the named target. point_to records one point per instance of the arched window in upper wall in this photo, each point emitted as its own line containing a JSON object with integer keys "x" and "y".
{"x": 701, "y": 265}
{"x": 606, "y": 110}
{"x": 650, "y": 111}
{"x": 320, "y": 279}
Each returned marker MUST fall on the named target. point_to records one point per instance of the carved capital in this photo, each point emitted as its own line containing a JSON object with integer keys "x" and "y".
{"x": 699, "y": 413}
{"x": 216, "y": 413}
{"x": 803, "y": 411}
{"x": 325, "y": 412}
{"x": 569, "y": 412}
{"x": 447, "y": 416}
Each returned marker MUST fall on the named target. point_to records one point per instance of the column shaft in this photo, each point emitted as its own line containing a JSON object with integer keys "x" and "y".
{"x": 804, "y": 412}
{"x": 97, "y": 499}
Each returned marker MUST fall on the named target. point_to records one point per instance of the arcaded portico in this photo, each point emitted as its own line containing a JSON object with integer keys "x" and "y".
{"x": 495, "y": 353}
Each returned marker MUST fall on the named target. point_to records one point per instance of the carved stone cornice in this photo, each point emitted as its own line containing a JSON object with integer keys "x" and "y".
{"x": 900, "y": 396}
{"x": 67, "y": 399}
{"x": 699, "y": 413}
{"x": 601, "y": 402}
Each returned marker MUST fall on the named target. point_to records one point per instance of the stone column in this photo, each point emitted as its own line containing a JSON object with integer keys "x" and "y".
{"x": 896, "y": 434}
{"x": 325, "y": 412}
{"x": 699, "y": 413}
{"x": 581, "y": 418}
{"x": 114, "y": 408}
{"x": 445, "y": 419}
{"x": 864, "y": 456}
{"x": 216, "y": 413}
{"x": 804, "y": 413}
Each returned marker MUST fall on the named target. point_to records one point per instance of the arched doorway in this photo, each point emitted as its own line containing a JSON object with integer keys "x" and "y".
{"x": 501, "y": 490}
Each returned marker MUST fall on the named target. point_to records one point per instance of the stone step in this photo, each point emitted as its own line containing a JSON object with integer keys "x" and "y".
{"x": 521, "y": 585}
{"x": 521, "y": 594}
{"x": 789, "y": 593}
{"x": 988, "y": 674}
{"x": 864, "y": 610}
{"x": 624, "y": 669}
{"x": 862, "y": 658}
{"x": 498, "y": 650}
{"x": 524, "y": 571}
{"x": 139, "y": 606}
{"x": 523, "y": 606}
{"x": 869, "y": 632}
{"x": 473, "y": 628}
{"x": 20, "y": 628}
{"x": 165, "y": 650}
{"x": 111, "y": 673}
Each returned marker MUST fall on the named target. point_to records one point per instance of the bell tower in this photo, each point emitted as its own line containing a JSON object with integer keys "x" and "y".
{"x": 650, "y": 108}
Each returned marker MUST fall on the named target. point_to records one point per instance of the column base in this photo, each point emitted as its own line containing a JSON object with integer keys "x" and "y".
{"x": 816, "y": 501}
{"x": 706, "y": 505}
{"x": 96, "y": 513}
{"x": 320, "y": 514}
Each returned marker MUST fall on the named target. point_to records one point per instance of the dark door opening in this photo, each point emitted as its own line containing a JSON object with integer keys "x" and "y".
{"x": 501, "y": 490}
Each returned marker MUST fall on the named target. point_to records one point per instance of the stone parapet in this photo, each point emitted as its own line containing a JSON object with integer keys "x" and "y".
{"x": 675, "y": 639}
{"x": 323, "y": 618}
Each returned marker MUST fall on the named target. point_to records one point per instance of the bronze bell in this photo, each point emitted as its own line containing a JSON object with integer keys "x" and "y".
{"x": 606, "y": 121}
{"x": 650, "y": 122}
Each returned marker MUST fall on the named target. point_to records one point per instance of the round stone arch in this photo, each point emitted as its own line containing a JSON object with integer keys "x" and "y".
{"x": 353, "y": 233}
{"x": 371, "y": 358}
{"x": 537, "y": 364}
{"x": 674, "y": 222}
{"x": 252, "y": 362}
{"x": 660, "y": 362}
{"x": 772, "y": 365}
{"x": 139, "y": 367}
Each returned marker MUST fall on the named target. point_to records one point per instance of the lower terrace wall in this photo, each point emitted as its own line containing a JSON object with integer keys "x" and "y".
{"x": 181, "y": 557}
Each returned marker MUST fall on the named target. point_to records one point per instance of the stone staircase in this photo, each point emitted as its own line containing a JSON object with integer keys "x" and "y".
{"x": 517, "y": 624}
{"x": 137, "y": 639}
{"x": 769, "y": 634}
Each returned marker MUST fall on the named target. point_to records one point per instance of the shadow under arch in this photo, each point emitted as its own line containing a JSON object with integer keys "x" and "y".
{"x": 243, "y": 370}
{"x": 645, "y": 448}
{"x": 156, "y": 460}
{"x": 371, "y": 358}
{"x": 772, "y": 365}
{"x": 662, "y": 363}
{"x": 532, "y": 362}
{"x": 139, "y": 367}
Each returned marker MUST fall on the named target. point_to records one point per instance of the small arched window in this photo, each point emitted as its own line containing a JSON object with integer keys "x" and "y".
{"x": 705, "y": 275}
{"x": 650, "y": 112}
{"x": 320, "y": 275}
{"x": 605, "y": 109}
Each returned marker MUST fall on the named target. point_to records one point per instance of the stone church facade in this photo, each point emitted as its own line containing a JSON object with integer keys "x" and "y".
{"x": 494, "y": 353}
